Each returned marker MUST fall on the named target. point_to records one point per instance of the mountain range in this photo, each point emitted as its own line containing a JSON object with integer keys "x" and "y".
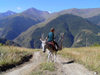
{"x": 12, "y": 26}
{"x": 68, "y": 24}
{"x": 81, "y": 27}
{"x": 8, "y": 13}
{"x": 85, "y": 13}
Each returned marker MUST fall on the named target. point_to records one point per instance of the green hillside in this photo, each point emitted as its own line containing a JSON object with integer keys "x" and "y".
{"x": 86, "y": 38}
{"x": 95, "y": 19}
{"x": 70, "y": 25}
{"x": 13, "y": 26}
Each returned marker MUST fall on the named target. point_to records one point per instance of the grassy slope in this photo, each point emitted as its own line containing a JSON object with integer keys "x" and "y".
{"x": 88, "y": 56}
{"x": 11, "y": 55}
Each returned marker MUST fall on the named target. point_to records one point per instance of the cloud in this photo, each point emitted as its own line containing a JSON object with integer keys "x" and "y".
{"x": 50, "y": 11}
{"x": 19, "y": 8}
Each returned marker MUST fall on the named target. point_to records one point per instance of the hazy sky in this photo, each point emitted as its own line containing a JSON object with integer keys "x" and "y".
{"x": 47, "y": 5}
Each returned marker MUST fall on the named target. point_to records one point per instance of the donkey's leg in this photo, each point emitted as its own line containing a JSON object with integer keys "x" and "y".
{"x": 49, "y": 55}
{"x": 43, "y": 48}
{"x": 55, "y": 54}
{"x": 52, "y": 57}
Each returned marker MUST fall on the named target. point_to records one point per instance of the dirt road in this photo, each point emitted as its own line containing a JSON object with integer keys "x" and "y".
{"x": 27, "y": 67}
{"x": 64, "y": 68}
{"x": 70, "y": 68}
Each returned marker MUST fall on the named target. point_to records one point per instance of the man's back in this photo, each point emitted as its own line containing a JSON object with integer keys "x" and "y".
{"x": 50, "y": 36}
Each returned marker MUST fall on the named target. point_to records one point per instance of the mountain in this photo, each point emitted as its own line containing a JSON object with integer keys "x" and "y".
{"x": 92, "y": 14}
{"x": 68, "y": 24}
{"x": 12, "y": 26}
{"x": 95, "y": 19}
{"x": 16, "y": 25}
{"x": 85, "y": 13}
{"x": 35, "y": 14}
{"x": 6, "y": 14}
{"x": 86, "y": 38}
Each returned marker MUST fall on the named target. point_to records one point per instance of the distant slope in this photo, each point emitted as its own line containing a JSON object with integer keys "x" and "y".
{"x": 35, "y": 14}
{"x": 86, "y": 38}
{"x": 70, "y": 25}
{"x": 12, "y": 26}
{"x": 6, "y": 14}
{"x": 95, "y": 19}
{"x": 85, "y": 13}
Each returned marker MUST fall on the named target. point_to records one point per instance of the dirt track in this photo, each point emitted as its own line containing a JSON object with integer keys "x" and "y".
{"x": 71, "y": 68}
{"x": 64, "y": 68}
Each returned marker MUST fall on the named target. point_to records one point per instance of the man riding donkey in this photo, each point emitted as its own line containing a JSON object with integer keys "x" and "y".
{"x": 50, "y": 40}
{"x": 51, "y": 45}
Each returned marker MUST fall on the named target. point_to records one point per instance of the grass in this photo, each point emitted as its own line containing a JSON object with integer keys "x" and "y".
{"x": 36, "y": 73}
{"x": 47, "y": 66}
{"x": 88, "y": 56}
{"x": 96, "y": 45}
{"x": 10, "y": 54}
{"x": 43, "y": 67}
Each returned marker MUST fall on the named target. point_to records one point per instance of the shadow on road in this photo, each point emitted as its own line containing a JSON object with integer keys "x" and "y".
{"x": 69, "y": 62}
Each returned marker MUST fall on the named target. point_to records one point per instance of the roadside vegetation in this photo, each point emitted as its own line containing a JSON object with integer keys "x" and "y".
{"x": 11, "y": 56}
{"x": 88, "y": 56}
{"x": 44, "y": 68}
{"x": 96, "y": 45}
{"x": 47, "y": 66}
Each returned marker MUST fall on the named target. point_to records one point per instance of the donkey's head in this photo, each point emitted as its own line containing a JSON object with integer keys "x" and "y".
{"x": 43, "y": 44}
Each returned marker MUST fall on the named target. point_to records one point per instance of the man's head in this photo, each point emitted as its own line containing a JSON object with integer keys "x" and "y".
{"x": 52, "y": 29}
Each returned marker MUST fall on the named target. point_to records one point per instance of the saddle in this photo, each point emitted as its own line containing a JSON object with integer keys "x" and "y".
{"x": 51, "y": 44}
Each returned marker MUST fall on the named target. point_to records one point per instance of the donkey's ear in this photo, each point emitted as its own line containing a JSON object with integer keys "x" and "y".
{"x": 40, "y": 39}
{"x": 46, "y": 38}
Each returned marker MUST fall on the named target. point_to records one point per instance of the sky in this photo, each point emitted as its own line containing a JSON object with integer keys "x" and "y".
{"x": 46, "y": 5}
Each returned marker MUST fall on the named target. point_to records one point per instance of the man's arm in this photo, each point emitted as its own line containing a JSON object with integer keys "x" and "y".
{"x": 53, "y": 36}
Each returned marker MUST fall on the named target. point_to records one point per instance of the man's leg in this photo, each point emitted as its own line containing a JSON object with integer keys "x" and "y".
{"x": 56, "y": 45}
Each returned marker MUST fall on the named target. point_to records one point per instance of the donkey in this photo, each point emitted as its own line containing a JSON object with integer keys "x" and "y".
{"x": 51, "y": 50}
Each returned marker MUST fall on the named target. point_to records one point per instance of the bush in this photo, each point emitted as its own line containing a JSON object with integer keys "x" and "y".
{"x": 96, "y": 45}
{"x": 1, "y": 44}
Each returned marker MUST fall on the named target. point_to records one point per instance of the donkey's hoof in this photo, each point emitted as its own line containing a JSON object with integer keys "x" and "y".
{"x": 43, "y": 51}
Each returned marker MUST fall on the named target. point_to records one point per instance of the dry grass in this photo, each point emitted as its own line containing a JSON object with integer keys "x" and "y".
{"x": 47, "y": 66}
{"x": 10, "y": 54}
{"x": 44, "y": 68}
{"x": 88, "y": 56}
